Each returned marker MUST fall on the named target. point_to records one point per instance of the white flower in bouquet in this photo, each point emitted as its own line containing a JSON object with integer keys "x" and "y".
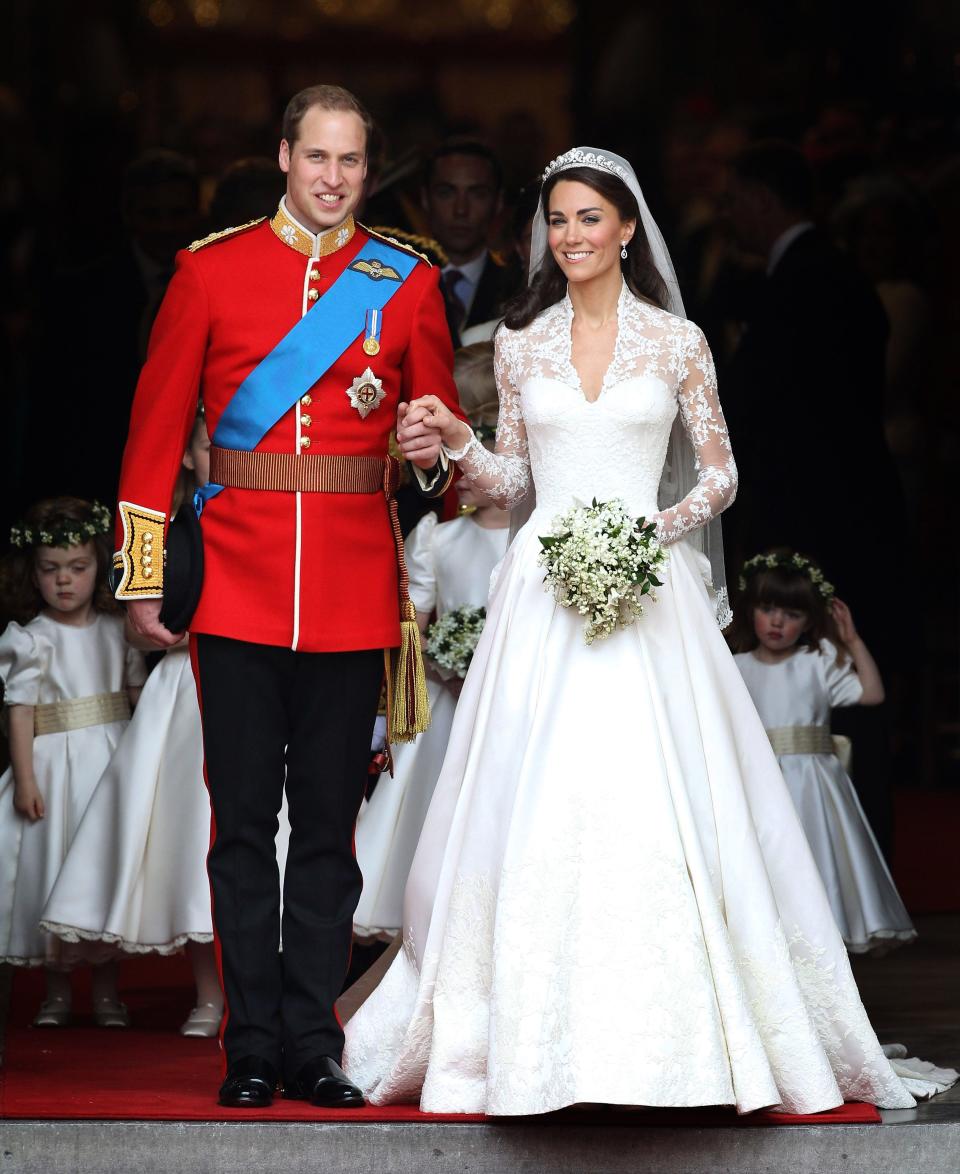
{"x": 452, "y": 639}
{"x": 602, "y": 561}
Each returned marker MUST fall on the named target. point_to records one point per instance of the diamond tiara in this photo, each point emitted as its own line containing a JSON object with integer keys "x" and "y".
{"x": 580, "y": 158}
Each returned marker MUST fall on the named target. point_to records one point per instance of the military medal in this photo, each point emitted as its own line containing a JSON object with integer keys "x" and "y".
{"x": 366, "y": 393}
{"x": 371, "y": 344}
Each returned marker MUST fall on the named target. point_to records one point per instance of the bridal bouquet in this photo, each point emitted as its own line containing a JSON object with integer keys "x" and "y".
{"x": 602, "y": 561}
{"x": 452, "y": 639}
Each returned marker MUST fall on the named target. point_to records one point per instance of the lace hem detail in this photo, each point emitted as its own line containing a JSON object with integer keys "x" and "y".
{"x": 875, "y": 943}
{"x": 23, "y": 963}
{"x": 74, "y": 936}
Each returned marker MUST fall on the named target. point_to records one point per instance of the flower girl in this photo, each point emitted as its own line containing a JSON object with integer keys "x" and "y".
{"x": 449, "y": 565}
{"x": 69, "y": 681}
{"x": 800, "y": 656}
{"x": 148, "y": 827}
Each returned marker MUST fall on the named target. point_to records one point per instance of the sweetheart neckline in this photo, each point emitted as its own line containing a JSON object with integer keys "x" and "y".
{"x": 604, "y": 390}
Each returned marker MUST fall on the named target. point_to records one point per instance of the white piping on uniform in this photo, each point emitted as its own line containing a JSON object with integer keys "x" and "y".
{"x": 296, "y": 582}
{"x": 304, "y": 306}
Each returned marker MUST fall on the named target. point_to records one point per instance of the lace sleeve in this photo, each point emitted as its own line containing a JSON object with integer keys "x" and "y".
{"x": 504, "y": 475}
{"x": 704, "y": 424}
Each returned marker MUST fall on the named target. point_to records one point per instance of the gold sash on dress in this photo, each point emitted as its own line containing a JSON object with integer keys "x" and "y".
{"x": 801, "y": 740}
{"x": 55, "y": 717}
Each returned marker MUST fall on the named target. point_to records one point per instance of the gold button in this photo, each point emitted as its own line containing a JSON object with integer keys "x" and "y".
{"x": 304, "y": 441}
{"x": 148, "y": 539}
{"x": 314, "y": 274}
{"x": 312, "y": 295}
{"x": 147, "y": 572}
{"x": 307, "y": 400}
{"x": 146, "y": 560}
{"x": 306, "y": 420}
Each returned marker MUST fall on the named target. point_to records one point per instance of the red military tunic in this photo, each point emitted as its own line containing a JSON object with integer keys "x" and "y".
{"x": 315, "y": 572}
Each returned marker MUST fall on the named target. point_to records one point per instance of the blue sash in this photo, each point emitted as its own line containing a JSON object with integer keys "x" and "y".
{"x": 308, "y": 351}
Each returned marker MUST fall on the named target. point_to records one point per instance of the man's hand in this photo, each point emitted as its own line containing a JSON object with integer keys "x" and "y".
{"x": 423, "y": 426}
{"x": 144, "y": 616}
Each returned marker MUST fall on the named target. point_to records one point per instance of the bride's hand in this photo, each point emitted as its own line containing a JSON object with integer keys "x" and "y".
{"x": 423, "y": 425}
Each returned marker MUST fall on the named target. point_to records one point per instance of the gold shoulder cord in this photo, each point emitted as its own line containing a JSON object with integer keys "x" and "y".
{"x": 397, "y": 244}
{"x": 223, "y": 233}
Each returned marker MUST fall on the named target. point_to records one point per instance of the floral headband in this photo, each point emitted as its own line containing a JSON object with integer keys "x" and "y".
{"x": 788, "y": 562}
{"x": 64, "y": 531}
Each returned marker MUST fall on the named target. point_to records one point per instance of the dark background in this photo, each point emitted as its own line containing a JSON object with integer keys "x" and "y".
{"x": 869, "y": 91}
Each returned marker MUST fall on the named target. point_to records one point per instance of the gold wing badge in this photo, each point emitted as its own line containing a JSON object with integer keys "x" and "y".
{"x": 375, "y": 270}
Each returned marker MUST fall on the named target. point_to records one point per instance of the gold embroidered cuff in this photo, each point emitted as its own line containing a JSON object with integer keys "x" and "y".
{"x": 436, "y": 481}
{"x": 139, "y": 561}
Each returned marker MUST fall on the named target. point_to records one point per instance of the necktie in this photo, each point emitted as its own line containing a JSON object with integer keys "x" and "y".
{"x": 450, "y": 280}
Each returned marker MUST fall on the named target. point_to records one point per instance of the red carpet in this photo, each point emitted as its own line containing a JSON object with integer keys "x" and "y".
{"x": 150, "y": 1072}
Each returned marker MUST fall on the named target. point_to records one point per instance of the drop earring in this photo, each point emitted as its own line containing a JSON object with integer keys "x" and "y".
{"x": 623, "y": 250}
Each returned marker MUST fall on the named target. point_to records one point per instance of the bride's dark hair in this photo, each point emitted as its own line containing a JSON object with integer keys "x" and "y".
{"x": 549, "y": 284}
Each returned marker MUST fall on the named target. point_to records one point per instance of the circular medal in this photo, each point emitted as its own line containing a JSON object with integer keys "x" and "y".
{"x": 371, "y": 346}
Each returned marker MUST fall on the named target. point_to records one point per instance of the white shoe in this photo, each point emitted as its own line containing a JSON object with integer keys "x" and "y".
{"x": 53, "y": 1013}
{"x": 203, "y": 1022}
{"x": 109, "y": 1012}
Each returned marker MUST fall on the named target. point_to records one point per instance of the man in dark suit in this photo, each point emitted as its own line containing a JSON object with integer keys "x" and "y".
{"x": 803, "y": 396}
{"x": 462, "y": 196}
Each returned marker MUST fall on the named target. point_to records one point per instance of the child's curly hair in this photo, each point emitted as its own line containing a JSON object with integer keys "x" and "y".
{"x": 20, "y": 598}
{"x": 788, "y": 586}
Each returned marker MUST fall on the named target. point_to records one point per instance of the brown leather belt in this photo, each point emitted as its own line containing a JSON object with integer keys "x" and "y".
{"x": 298, "y": 473}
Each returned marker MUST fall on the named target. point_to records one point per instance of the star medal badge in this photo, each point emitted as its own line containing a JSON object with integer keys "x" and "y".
{"x": 372, "y": 327}
{"x": 366, "y": 393}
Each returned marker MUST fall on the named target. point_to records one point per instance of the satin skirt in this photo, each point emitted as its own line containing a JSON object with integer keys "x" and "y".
{"x": 612, "y": 899}
{"x": 389, "y": 824}
{"x": 135, "y": 877}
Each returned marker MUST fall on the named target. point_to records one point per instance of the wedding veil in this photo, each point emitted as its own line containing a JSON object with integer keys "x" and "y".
{"x": 680, "y": 471}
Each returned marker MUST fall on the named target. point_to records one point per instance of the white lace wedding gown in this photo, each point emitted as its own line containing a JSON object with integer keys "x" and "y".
{"x": 612, "y": 899}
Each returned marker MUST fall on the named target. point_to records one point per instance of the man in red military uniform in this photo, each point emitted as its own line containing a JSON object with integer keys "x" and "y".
{"x": 300, "y": 589}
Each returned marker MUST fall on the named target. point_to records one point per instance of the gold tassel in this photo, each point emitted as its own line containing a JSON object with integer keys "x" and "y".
{"x": 409, "y": 708}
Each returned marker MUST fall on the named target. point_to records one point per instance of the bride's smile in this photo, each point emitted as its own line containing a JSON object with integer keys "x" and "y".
{"x": 585, "y": 232}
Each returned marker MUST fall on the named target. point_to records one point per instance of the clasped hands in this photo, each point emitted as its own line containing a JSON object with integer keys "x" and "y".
{"x": 426, "y": 424}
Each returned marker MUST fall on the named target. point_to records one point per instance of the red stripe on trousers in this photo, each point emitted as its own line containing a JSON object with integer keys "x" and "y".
{"x": 218, "y": 956}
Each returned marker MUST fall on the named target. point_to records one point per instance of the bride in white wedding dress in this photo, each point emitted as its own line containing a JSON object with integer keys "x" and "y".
{"x": 612, "y": 899}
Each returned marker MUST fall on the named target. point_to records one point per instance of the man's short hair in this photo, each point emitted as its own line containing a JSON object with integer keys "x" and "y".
{"x": 326, "y": 98}
{"x": 782, "y": 169}
{"x": 463, "y": 146}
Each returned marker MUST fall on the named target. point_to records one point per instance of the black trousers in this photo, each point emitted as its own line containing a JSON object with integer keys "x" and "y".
{"x": 272, "y": 715}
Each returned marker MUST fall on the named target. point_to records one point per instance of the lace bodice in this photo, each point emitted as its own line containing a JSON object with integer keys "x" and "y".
{"x": 571, "y": 448}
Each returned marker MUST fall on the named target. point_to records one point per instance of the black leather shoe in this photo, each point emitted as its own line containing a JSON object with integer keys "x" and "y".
{"x": 323, "y": 1083}
{"x": 249, "y": 1085}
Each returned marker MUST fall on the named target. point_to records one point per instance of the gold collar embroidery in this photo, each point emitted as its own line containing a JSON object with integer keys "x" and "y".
{"x": 297, "y": 237}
